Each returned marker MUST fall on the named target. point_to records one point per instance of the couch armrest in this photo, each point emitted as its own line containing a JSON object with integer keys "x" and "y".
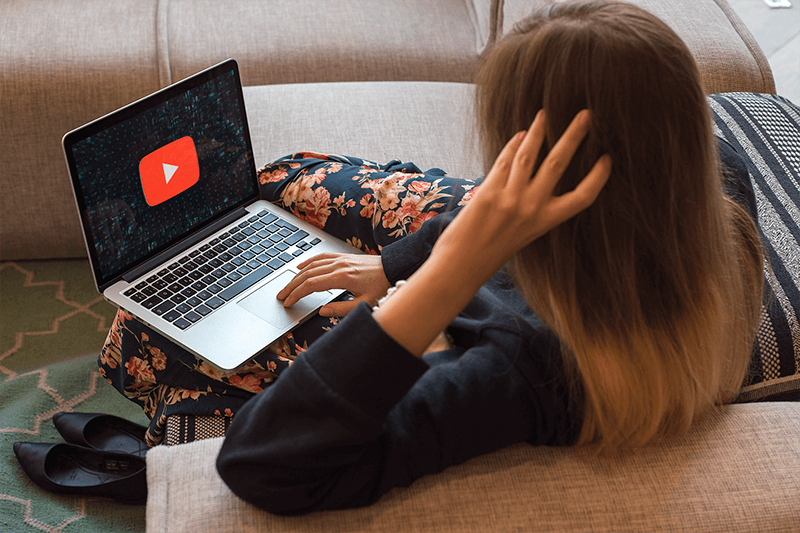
{"x": 735, "y": 471}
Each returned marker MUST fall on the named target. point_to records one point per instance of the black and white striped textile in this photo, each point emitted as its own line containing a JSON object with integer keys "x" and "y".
{"x": 765, "y": 131}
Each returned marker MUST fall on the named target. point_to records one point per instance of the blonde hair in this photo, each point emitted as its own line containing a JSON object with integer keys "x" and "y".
{"x": 655, "y": 290}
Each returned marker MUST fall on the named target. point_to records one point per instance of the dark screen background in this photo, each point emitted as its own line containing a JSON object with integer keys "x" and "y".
{"x": 126, "y": 229}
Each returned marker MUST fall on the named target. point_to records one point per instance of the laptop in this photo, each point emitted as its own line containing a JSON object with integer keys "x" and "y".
{"x": 175, "y": 230}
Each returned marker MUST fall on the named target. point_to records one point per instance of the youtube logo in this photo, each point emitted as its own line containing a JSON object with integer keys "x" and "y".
{"x": 168, "y": 171}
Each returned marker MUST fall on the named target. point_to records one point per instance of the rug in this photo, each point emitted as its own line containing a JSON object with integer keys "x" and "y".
{"x": 52, "y": 324}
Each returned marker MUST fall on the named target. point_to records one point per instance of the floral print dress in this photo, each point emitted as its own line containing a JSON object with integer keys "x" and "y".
{"x": 363, "y": 203}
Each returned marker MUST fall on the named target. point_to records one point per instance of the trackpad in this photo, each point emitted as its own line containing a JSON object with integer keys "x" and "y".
{"x": 264, "y": 303}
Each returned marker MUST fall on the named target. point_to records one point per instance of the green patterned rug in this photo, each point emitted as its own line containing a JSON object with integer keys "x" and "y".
{"x": 52, "y": 325}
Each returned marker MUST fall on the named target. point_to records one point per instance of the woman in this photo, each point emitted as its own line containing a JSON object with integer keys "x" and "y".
{"x": 628, "y": 307}
{"x": 644, "y": 277}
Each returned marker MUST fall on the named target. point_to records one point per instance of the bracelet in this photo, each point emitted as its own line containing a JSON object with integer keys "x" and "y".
{"x": 389, "y": 294}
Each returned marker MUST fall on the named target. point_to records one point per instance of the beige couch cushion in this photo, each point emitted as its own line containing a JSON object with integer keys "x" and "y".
{"x": 428, "y": 123}
{"x": 738, "y": 471}
{"x": 300, "y": 41}
{"x": 728, "y": 55}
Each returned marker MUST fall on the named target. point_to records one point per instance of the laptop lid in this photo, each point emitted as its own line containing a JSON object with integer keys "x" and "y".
{"x": 153, "y": 174}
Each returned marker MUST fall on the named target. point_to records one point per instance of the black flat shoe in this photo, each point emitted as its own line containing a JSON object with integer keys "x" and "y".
{"x": 71, "y": 469}
{"x": 102, "y": 432}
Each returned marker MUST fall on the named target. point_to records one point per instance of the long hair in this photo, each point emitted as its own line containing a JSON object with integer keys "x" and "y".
{"x": 654, "y": 291}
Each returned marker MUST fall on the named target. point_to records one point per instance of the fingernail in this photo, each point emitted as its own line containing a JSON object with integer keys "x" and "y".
{"x": 520, "y": 135}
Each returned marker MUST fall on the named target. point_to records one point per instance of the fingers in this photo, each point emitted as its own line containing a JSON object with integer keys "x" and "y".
{"x": 566, "y": 206}
{"x": 557, "y": 161}
{"x": 339, "y": 308}
{"x": 312, "y": 277}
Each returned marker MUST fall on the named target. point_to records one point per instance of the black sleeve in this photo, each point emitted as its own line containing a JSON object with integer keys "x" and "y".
{"x": 403, "y": 257}
{"x": 356, "y": 415}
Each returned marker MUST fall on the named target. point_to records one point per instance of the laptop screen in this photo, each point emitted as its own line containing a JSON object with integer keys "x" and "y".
{"x": 155, "y": 171}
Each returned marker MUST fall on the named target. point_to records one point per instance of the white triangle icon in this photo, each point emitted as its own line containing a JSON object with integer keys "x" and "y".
{"x": 169, "y": 171}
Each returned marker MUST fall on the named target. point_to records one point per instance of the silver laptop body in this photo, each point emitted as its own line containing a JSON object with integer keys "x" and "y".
{"x": 176, "y": 233}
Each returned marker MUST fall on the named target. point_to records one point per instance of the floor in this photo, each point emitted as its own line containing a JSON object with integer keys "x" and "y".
{"x": 777, "y": 31}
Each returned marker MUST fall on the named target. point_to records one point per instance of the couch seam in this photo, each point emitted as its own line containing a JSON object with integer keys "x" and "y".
{"x": 162, "y": 43}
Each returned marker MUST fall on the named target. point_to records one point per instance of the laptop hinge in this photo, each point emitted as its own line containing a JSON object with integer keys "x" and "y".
{"x": 184, "y": 245}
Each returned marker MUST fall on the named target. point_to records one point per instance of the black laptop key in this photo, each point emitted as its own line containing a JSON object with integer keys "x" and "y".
{"x": 178, "y": 299}
{"x": 214, "y": 302}
{"x": 175, "y": 287}
{"x": 183, "y": 308}
{"x": 202, "y": 310}
{"x": 152, "y": 302}
{"x": 296, "y": 237}
{"x": 192, "y": 317}
{"x": 172, "y": 316}
{"x": 285, "y": 224}
{"x": 188, "y": 292}
{"x": 182, "y": 323}
{"x": 267, "y": 217}
{"x": 214, "y": 289}
{"x": 246, "y": 282}
{"x": 138, "y": 297}
{"x": 163, "y": 308}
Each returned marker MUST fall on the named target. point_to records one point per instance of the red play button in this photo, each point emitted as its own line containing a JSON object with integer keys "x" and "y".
{"x": 169, "y": 171}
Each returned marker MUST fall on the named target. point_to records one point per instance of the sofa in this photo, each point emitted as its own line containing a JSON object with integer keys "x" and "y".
{"x": 383, "y": 80}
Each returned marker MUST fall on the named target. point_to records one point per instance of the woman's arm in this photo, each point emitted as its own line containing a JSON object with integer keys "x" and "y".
{"x": 509, "y": 211}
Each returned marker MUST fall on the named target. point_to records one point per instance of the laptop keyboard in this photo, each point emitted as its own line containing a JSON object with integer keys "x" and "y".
{"x": 199, "y": 283}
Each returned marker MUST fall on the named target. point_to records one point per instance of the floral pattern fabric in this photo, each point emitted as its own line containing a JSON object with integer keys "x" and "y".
{"x": 363, "y": 203}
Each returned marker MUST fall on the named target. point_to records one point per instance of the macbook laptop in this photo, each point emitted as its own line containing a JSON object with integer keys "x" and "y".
{"x": 176, "y": 233}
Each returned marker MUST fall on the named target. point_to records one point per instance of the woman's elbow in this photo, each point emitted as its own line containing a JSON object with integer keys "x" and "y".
{"x": 273, "y": 488}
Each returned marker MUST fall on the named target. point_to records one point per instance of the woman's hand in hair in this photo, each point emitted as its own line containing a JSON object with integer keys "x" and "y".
{"x": 509, "y": 211}
{"x": 362, "y": 275}
{"x": 512, "y": 209}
